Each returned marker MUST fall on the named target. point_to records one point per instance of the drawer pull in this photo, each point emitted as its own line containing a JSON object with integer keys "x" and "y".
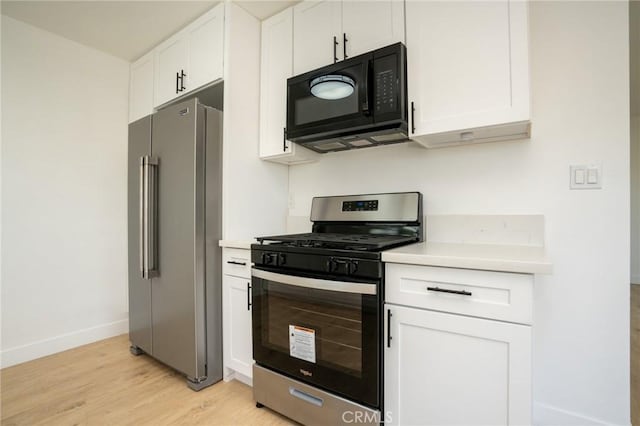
{"x": 233, "y": 262}
{"x": 444, "y": 290}
{"x": 306, "y": 397}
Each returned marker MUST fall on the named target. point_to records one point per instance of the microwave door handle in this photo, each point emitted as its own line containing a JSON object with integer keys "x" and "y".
{"x": 367, "y": 88}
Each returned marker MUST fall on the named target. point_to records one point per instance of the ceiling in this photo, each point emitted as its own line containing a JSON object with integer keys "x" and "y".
{"x": 126, "y": 29}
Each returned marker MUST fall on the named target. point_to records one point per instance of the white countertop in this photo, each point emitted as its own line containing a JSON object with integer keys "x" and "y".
{"x": 505, "y": 258}
{"x": 239, "y": 244}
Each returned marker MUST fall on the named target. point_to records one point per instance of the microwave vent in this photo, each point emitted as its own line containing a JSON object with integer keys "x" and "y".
{"x": 360, "y": 142}
{"x": 329, "y": 146}
{"x": 389, "y": 137}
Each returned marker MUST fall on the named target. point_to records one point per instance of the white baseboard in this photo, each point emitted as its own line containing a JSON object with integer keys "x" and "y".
{"x": 52, "y": 345}
{"x": 244, "y": 379}
{"x": 547, "y": 415}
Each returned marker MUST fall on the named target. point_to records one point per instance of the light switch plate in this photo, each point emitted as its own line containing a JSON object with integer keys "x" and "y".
{"x": 585, "y": 176}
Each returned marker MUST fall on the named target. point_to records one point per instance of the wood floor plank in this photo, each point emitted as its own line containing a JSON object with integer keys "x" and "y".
{"x": 103, "y": 384}
{"x": 635, "y": 354}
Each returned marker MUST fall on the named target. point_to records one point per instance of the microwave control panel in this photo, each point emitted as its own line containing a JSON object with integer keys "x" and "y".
{"x": 386, "y": 84}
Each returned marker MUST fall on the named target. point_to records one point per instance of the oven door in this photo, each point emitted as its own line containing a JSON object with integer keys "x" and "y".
{"x": 322, "y": 332}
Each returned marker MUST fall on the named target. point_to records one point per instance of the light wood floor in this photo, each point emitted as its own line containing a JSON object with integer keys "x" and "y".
{"x": 635, "y": 355}
{"x": 103, "y": 384}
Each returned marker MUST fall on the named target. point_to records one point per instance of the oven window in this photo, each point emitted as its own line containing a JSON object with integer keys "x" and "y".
{"x": 330, "y": 322}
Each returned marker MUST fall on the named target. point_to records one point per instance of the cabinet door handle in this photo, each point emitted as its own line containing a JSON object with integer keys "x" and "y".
{"x": 284, "y": 139}
{"x": 335, "y": 53}
{"x": 413, "y": 120}
{"x": 389, "y": 315}
{"x": 233, "y": 262}
{"x": 248, "y": 296}
{"x": 177, "y": 82}
{"x": 344, "y": 45}
{"x": 182, "y": 76}
{"x": 446, "y": 290}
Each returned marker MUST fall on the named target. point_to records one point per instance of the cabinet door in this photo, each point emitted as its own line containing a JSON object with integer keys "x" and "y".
{"x": 276, "y": 67}
{"x": 206, "y": 49}
{"x": 315, "y": 24}
{"x": 444, "y": 369}
{"x": 238, "y": 354}
{"x": 141, "y": 88}
{"x": 369, "y": 25}
{"x": 171, "y": 59}
{"x": 467, "y": 64}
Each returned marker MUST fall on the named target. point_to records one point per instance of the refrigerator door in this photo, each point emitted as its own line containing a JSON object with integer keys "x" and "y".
{"x": 139, "y": 287}
{"x": 178, "y": 303}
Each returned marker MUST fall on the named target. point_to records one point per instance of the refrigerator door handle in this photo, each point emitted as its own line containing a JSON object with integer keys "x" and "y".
{"x": 150, "y": 217}
{"x": 142, "y": 209}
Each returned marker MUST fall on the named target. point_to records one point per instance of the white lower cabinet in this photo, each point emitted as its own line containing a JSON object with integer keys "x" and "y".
{"x": 450, "y": 368}
{"x": 236, "y": 295}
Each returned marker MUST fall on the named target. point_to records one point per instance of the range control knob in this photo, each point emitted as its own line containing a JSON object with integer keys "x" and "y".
{"x": 269, "y": 258}
{"x": 331, "y": 265}
{"x": 352, "y": 267}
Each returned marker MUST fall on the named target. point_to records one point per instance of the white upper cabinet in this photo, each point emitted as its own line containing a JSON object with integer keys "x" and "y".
{"x": 206, "y": 48}
{"x": 468, "y": 71}
{"x": 330, "y": 31}
{"x": 316, "y": 23}
{"x": 141, "y": 88}
{"x": 276, "y": 67}
{"x": 369, "y": 25}
{"x": 171, "y": 62}
{"x": 191, "y": 58}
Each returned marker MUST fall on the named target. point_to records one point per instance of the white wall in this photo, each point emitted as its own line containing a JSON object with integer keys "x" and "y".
{"x": 254, "y": 191}
{"x": 0, "y": 189}
{"x": 64, "y": 149}
{"x": 580, "y": 114}
{"x": 634, "y": 59}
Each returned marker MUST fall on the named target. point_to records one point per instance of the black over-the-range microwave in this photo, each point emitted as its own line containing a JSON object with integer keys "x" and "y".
{"x": 356, "y": 103}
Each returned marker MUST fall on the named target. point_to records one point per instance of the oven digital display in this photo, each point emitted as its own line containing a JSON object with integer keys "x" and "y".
{"x": 360, "y": 206}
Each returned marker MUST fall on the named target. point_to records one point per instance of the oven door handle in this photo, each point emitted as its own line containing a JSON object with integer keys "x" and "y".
{"x": 320, "y": 284}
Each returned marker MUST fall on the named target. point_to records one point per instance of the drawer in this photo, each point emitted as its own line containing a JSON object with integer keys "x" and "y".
{"x": 236, "y": 262}
{"x": 485, "y": 294}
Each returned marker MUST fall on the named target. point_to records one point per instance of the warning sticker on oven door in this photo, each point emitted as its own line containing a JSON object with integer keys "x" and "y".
{"x": 302, "y": 343}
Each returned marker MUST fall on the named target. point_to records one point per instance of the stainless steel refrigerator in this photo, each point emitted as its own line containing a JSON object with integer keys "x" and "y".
{"x": 174, "y": 213}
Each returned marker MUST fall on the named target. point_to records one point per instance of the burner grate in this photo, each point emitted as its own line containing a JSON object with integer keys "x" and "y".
{"x": 356, "y": 242}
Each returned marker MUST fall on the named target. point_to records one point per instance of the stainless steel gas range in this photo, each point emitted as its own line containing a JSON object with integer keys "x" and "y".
{"x": 317, "y": 308}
